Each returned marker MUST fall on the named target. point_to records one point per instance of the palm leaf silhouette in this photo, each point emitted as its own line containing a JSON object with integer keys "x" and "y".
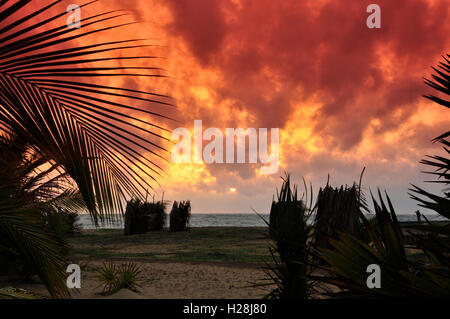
{"x": 50, "y": 96}
{"x": 439, "y": 164}
{"x": 441, "y": 83}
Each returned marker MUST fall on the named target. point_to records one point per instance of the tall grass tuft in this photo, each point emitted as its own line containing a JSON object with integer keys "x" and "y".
{"x": 180, "y": 216}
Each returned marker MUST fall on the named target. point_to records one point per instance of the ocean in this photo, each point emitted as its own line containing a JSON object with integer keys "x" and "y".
{"x": 225, "y": 220}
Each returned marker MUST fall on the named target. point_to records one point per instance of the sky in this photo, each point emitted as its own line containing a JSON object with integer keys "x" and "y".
{"x": 344, "y": 96}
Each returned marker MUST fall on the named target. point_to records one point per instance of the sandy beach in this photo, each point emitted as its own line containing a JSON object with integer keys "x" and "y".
{"x": 161, "y": 280}
{"x": 205, "y": 263}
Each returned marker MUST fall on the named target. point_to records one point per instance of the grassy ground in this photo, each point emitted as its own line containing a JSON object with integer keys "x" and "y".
{"x": 210, "y": 244}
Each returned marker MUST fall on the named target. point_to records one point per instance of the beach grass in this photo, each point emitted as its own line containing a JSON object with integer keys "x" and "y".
{"x": 247, "y": 245}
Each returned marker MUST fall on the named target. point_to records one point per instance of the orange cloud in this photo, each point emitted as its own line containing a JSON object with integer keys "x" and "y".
{"x": 343, "y": 96}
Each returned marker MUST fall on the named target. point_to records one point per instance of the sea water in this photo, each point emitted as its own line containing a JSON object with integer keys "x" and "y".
{"x": 225, "y": 220}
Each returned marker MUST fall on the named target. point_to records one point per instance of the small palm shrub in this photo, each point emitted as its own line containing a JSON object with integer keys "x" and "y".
{"x": 180, "y": 216}
{"x": 108, "y": 277}
{"x": 289, "y": 230}
{"x": 128, "y": 276}
{"x": 114, "y": 278}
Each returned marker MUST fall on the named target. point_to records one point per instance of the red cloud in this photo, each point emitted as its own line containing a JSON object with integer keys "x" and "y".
{"x": 323, "y": 47}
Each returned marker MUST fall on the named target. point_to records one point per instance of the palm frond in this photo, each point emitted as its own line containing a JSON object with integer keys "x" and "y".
{"x": 440, "y": 82}
{"x": 400, "y": 277}
{"x": 18, "y": 293}
{"x": 50, "y": 96}
{"x": 22, "y": 230}
{"x": 440, "y": 165}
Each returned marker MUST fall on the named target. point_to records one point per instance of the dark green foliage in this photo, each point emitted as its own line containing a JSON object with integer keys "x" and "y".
{"x": 441, "y": 170}
{"x": 129, "y": 274}
{"x": 142, "y": 217}
{"x": 25, "y": 240}
{"x": 136, "y": 218}
{"x": 180, "y": 216}
{"x": 125, "y": 276}
{"x": 108, "y": 277}
{"x": 157, "y": 216}
{"x": 400, "y": 277}
{"x": 291, "y": 252}
{"x": 337, "y": 209}
{"x": 63, "y": 222}
{"x": 436, "y": 240}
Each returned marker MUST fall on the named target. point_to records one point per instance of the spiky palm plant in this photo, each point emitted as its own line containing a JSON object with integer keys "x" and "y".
{"x": 400, "y": 277}
{"x": 291, "y": 234}
{"x": 439, "y": 164}
{"x": 441, "y": 82}
{"x": 125, "y": 276}
{"x": 24, "y": 237}
{"x": 338, "y": 209}
{"x": 107, "y": 276}
{"x": 437, "y": 241}
{"x": 51, "y": 96}
{"x": 129, "y": 274}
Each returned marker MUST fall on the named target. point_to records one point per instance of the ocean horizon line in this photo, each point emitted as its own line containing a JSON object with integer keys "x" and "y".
{"x": 225, "y": 220}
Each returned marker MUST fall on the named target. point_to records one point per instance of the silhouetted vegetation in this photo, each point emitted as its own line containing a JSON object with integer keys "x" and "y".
{"x": 114, "y": 278}
{"x": 136, "y": 218}
{"x": 289, "y": 229}
{"x": 143, "y": 217}
{"x": 346, "y": 253}
{"x": 82, "y": 130}
{"x": 27, "y": 244}
{"x": 180, "y": 216}
{"x": 157, "y": 216}
{"x": 63, "y": 222}
{"x": 338, "y": 210}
